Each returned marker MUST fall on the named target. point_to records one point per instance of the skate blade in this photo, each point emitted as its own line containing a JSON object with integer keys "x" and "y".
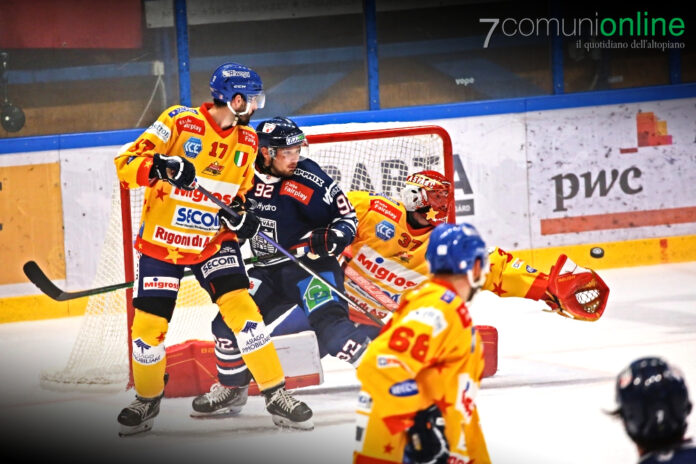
{"x": 288, "y": 424}
{"x": 127, "y": 430}
{"x": 219, "y": 414}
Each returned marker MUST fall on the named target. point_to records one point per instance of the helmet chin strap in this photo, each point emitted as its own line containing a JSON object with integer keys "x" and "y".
{"x": 237, "y": 114}
{"x": 474, "y": 285}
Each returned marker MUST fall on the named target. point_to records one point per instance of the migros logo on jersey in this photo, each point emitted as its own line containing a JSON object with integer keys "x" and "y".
{"x": 161, "y": 283}
{"x": 223, "y": 191}
{"x": 195, "y": 196}
{"x": 386, "y": 271}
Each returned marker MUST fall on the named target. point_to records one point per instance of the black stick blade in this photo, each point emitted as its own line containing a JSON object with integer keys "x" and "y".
{"x": 41, "y": 280}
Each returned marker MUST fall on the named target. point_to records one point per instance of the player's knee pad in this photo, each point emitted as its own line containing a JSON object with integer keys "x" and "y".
{"x": 149, "y": 356}
{"x": 150, "y": 328}
{"x": 158, "y": 306}
{"x": 237, "y": 307}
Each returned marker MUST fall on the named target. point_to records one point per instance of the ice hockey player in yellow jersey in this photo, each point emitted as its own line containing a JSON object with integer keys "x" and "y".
{"x": 213, "y": 146}
{"x": 389, "y": 251}
{"x": 420, "y": 376}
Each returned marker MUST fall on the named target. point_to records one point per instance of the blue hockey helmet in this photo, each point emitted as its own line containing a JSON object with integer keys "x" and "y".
{"x": 231, "y": 79}
{"x": 279, "y": 132}
{"x": 454, "y": 248}
{"x": 653, "y": 401}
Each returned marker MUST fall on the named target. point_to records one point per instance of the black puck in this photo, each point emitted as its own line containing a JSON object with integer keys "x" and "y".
{"x": 597, "y": 252}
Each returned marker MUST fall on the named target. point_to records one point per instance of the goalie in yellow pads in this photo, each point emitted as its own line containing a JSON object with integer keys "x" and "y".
{"x": 389, "y": 251}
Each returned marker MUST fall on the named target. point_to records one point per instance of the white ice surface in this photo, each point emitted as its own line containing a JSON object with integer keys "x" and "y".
{"x": 544, "y": 405}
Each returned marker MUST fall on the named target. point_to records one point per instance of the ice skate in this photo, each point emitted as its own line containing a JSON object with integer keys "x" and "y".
{"x": 288, "y": 411}
{"x": 220, "y": 401}
{"x": 138, "y": 416}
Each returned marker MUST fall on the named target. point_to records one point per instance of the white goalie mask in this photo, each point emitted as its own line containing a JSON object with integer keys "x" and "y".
{"x": 427, "y": 192}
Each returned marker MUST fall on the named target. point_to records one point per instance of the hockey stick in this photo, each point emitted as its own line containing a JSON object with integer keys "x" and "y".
{"x": 371, "y": 289}
{"x": 292, "y": 258}
{"x": 39, "y": 278}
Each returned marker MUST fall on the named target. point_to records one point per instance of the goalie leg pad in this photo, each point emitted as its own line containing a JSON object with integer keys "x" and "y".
{"x": 489, "y": 337}
{"x": 192, "y": 365}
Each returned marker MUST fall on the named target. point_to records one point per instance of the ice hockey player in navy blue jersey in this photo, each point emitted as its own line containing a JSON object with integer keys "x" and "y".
{"x": 653, "y": 402}
{"x": 299, "y": 206}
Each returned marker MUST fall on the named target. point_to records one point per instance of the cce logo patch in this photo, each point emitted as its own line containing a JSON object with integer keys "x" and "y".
{"x": 385, "y": 230}
{"x": 192, "y": 147}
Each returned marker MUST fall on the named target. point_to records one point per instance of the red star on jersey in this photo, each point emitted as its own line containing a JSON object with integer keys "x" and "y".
{"x": 160, "y": 193}
{"x": 437, "y": 364}
{"x": 160, "y": 337}
{"x": 442, "y": 404}
{"x": 398, "y": 422}
{"x": 498, "y": 289}
{"x": 388, "y": 448}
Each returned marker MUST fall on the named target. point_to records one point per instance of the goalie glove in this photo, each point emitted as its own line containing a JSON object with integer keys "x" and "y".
{"x": 176, "y": 170}
{"x": 245, "y": 224}
{"x": 576, "y": 292}
{"x": 427, "y": 443}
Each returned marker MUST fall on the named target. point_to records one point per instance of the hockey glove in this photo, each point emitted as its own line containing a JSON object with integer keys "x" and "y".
{"x": 427, "y": 443}
{"x": 576, "y": 292}
{"x": 326, "y": 241}
{"x": 245, "y": 224}
{"x": 176, "y": 170}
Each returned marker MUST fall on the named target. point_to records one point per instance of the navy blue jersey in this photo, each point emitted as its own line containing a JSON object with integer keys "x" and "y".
{"x": 684, "y": 454}
{"x": 289, "y": 208}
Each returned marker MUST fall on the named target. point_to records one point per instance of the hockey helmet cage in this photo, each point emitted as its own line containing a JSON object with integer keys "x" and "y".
{"x": 428, "y": 192}
{"x": 653, "y": 402}
{"x": 231, "y": 79}
{"x": 279, "y": 132}
{"x": 454, "y": 249}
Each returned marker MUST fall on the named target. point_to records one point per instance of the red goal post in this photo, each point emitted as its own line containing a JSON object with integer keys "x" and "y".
{"x": 372, "y": 159}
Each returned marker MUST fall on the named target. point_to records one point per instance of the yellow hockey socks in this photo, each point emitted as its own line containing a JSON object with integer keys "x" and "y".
{"x": 242, "y": 316}
{"x": 149, "y": 359}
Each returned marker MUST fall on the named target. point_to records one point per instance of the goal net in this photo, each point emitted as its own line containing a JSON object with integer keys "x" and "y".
{"x": 374, "y": 160}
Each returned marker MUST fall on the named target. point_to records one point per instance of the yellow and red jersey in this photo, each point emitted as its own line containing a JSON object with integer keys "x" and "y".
{"x": 391, "y": 254}
{"x": 181, "y": 226}
{"x": 428, "y": 353}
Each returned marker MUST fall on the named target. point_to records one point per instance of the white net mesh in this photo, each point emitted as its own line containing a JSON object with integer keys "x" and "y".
{"x": 365, "y": 161}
